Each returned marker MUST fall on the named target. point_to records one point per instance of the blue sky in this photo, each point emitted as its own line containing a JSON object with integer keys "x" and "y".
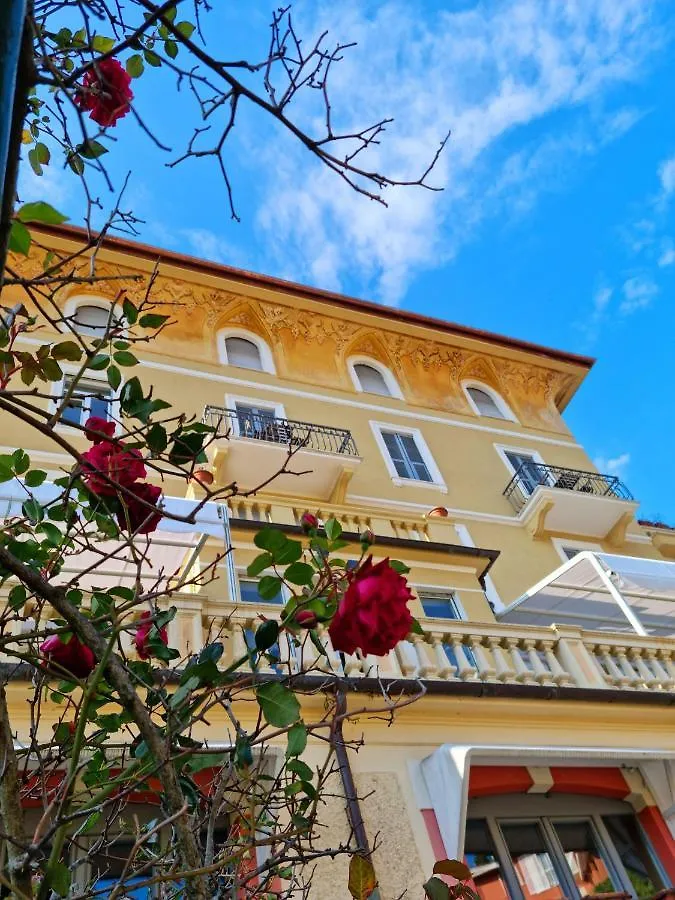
{"x": 556, "y": 223}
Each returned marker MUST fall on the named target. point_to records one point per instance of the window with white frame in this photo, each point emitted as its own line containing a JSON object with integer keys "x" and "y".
{"x": 487, "y": 402}
{"x": 90, "y": 398}
{"x": 439, "y": 604}
{"x": 92, "y": 319}
{"x": 405, "y": 456}
{"x": 371, "y": 380}
{"x": 242, "y": 352}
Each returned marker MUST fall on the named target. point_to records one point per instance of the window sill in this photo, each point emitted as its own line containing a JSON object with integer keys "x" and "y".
{"x": 412, "y": 482}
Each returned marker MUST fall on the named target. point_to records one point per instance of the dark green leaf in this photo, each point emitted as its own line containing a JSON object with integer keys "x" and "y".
{"x": 185, "y": 28}
{"x": 60, "y": 881}
{"x": 279, "y": 706}
{"x": 35, "y": 478}
{"x": 100, "y": 361}
{"x": 289, "y": 553}
{"x": 270, "y": 539}
{"x": 151, "y": 320}
{"x": 333, "y": 532}
{"x": 300, "y": 768}
{"x": 19, "y": 238}
{"x": 269, "y": 587}
{"x": 124, "y": 358}
{"x": 91, "y": 149}
{"x": 114, "y": 377}
{"x": 205, "y": 761}
{"x": 33, "y": 511}
{"x": 266, "y": 635}
{"x": 67, "y": 350}
{"x": 186, "y": 449}
{"x": 171, "y": 49}
{"x": 75, "y": 163}
{"x": 299, "y": 573}
{"x": 17, "y": 597}
{"x": 51, "y": 533}
{"x": 416, "y": 628}
{"x": 51, "y": 369}
{"x": 183, "y": 691}
{"x": 259, "y": 564}
{"x": 152, "y": 59}
{"x": 135, "y": 66}
{"x": 243, "y": 755}
{"x": 130, "y": 311}
{"x": 6, "y": 474}
{"x": 41, "y": 212}
{"x": 297, "y": 739}
{"x": 156, "y": 438}
{"x": 435, "y": 889}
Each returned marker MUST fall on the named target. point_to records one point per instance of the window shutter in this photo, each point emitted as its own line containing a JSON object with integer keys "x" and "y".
{"x": 371, "y": 380}
{"x": 241, "y": 352}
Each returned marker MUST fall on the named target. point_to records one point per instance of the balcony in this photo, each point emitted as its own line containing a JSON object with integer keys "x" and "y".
{"x": 553, "y": 499}
{"x": 252, "y": 446}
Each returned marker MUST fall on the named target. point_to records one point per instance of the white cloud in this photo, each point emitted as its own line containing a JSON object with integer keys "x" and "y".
{"x": 484, "y": 72}
{"x": 667, "y": 257}
{"x": 53, "y": 186}
{"x": 638, "y": 293}
{"x": 614, "y": 465}
{"x": 667, "y": 175}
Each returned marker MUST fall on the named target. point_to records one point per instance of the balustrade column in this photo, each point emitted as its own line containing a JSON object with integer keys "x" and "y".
{"x": 655, "y": 665}
{"x": 444, "y": 667}
{"x": 666, "y": 657}
{"x": 541, "y": 673}
{"x": 503, "y": 671}
{"x": 612, "y": 673}
{"x": 523, "y": 674}
{"x": 647, "y": 677}
{"x": 632, "y": 678}
{"x": 560, "y": 676}
{"x": 464, "y": 668}
{"x": 485, "y": 670}
{"x": 425, "y": 663}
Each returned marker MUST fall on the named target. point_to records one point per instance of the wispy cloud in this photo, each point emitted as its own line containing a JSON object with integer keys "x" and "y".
{"x": 613, "y": 465}
{"x": 484, "y": 72}
{"x": 638, "y": 293}
{"x": 667, "y": 175}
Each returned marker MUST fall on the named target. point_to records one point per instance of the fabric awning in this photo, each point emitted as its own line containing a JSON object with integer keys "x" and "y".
{"x": 601, "y": 592}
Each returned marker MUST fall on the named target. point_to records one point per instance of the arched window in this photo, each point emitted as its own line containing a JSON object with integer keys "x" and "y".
{"x": 371, "y": 380}
{"x": 245, "y": 349}
{"x": 242, "y": 352}
{"x": 486, "y": 402}
{"x": 91, "y": 319}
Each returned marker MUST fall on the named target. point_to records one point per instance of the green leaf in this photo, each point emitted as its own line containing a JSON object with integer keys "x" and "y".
{"x": 435, "y": 889}
{"x": 17, "y": 597}
{"x": 99, "y": 362}
{"x": 266, "y": 635}
{"x": 152, "y": 59}
{"x": 6, "y": 474}
{"x": 183, "y": 691}
{"x": 19, "y": 238}
{"x": 297, "y": 739}
{"x": 33, "y": 511}
{"x": 416, "y": 628}
{"x": 21, "y": 461}
{"x": 156, "y": 438}
{"x": 130, "y": 311}
{"x": 67, "y": 350}
{"x": 362, "y": 880}
{"x": 35, "y": 478}
{"x": 75, "y": 163}
{"x": 205, "y": 761}
{"x": 171, "y": 49}
{"x": 124, "y": 358}
{"x": 91, "y": 149}
{"x": 259, "y": 564}
{"x": 135, "y": 65}
{"x": 41, "y": 212}
{"x": 279, "y": 705}
{"x": 89, "y": 822}
{"x": 114, "y": 377}
{"x": 60, "y": 881}
{"x": 300, "y": 768}
{"x": 289, "y": 553}
{"x": 102, "y": 44}
{"x": 269, "y": 587}
{"x": 151, "y": 320}
{"x": 299, "y": 573}
{"x": 185, "y": 28}
{"x": 270, "y": 539}
{"x": 333, "y": 532}
{"x": 51, "y": 369}
{"x": 399, "y": 567}
{"x": 34, "y": 161}
{"x": 186, "y": 449}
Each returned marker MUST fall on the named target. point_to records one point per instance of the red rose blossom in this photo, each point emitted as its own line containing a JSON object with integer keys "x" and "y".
{"x": 306, "y": 618}
{"x": 135, "y": 516}
{"x": 114, "y": 460}
{"x": 308, "y": 522}
{"x": 142, "y": 636}
{"x": 97, "y": 424}
{"x": 74, "y": 656}
{"x": 373, "y": 615}
{"x": 105, "y": 93}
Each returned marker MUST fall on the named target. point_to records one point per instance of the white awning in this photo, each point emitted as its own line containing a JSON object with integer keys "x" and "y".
{"x": 168, "y": 551}
{"x": 602, "y": 592}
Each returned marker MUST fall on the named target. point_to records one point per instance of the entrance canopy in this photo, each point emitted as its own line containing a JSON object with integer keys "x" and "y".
{"x": 602, "y": 592}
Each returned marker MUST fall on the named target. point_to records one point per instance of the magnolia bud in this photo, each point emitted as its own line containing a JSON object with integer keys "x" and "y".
{"x": 308, "y": 522}
{"x": 367, "y": 537}
{"x": 306, "y": 618}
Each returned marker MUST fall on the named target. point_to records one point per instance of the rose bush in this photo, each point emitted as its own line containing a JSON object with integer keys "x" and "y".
{"x": 373, "y": 615}
{"x": 115, "y": 461}
{"x": 142, "y": 636}
{"x": 72, "y": 655}
{"x": 134, "y": 515}
{"x": 105, "y": 93}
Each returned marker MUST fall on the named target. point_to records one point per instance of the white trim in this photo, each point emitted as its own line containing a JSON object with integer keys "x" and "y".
{"x": 343, "y": 401}
{"x": 77, "y": 300}
{"x": 454, "y": 598}
{"x": 95, "y": 378}
{"x": 389, "y": 379}
{"x": 437, "y": 479}
{"x": 498, "y": 400}
{"x": 265, "y": 353}
{"x": 491, "y": 592}
{"x": 502, "y": 450}
{"x": 561, "y": 543}
{"x": 424, "y": 507}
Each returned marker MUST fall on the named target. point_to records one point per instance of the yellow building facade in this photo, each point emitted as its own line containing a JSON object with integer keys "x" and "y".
{"x": 544, "y": 748}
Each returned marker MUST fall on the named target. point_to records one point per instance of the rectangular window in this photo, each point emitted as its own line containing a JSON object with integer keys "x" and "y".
{"x": 405, "y": 456}
{"x": 482, "y": 859}
{"x": 262, "y": 424}
{"x": 530, "y": 473}
{"x": 439, "y": 605}
{"x": 90, "y": 398}
{"x": 248, "y": 591}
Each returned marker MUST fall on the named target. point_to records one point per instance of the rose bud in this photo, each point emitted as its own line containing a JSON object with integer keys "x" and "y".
{"x": 142, "y": 636}
{"x": 306, "y": 618}
{"x": 308, "y": 522}
{"x": 367, "y": 538}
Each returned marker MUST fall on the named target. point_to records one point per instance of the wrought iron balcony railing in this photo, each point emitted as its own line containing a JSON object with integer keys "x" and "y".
{"x": 530, "y": 475}
{"x": 261, "y": 426}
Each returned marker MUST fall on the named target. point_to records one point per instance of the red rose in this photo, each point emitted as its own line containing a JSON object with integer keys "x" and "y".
{"x": 142, "y": 636}
{"x": 135, "y": 516}
{"x": 105, "y": 93}
{"x": 306, "y": 618}
{"x": 119, "y": 464}
{"x": 97, "y": 424}
{"x": 75, "y": 657}
{"x": 373, "y": 615}
{"x": 308, "y": 522}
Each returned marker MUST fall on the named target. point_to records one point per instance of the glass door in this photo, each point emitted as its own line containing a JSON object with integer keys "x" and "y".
{"x": 530, "y": 473}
